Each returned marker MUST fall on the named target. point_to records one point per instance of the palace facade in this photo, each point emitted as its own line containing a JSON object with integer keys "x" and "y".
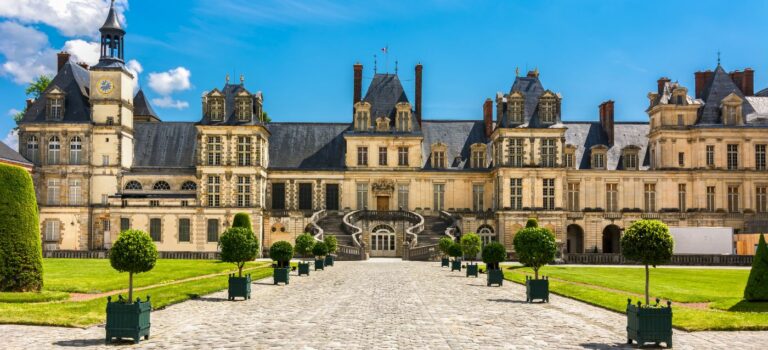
{"x": 104, "y": 161}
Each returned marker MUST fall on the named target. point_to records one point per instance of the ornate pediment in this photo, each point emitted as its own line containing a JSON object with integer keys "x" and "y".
{"x": 383, "y": 186}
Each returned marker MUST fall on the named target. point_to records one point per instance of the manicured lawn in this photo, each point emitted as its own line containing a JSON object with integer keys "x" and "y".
{"x": 718, "y": 292}
{"x": 8, "y": 297}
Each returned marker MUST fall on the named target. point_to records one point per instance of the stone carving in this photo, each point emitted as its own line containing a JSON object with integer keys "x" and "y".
{"x": 383, "y": 186}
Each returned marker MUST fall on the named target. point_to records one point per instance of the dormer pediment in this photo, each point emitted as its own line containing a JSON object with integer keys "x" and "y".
{"x": 732, "y": 99}
{"x": 215, "y": 93}
{"x": 55, "y": 90}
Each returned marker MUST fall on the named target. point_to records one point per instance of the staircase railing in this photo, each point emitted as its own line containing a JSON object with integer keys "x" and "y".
{"x": 313, "y": 220}
{"x": 352, "y": 229}
{"x": 453, "y": 224}
{"x": 414, "y": 230}
{"x": 350, "y": 220}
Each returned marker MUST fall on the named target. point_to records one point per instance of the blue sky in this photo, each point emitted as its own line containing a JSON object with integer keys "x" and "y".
{"x": 300, "y": 54}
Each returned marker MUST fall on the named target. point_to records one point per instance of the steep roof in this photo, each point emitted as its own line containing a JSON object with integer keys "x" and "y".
{"x": 307, "y": 145}
{"x": 531, "y": 88}
{"x": 384, "y": 93}
{"x": 8, "y": 154}
{"x": 141, "y": 105}
{"x": 585, "y": 135}
{"x": 112, "y": 23}
{"x": 457, "y": 135}
{"x": 717, "y": 88}
{"x": 164, "y": 145}
{"x": 230, "y": 91}
{"x": 74, "y": 81}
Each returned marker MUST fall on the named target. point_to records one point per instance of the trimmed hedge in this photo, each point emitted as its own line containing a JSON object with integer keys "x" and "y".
{"x": 470, "y": 245}
{"x": 493, "y": 254}
{"x": 242, "y": 220}
{"x": 21, "y": 254}
{"x": 304, "y": 244}
{"x": 320, "y": 249}
{"x": 444, "y": 244}
{"x": 757, "y": 284}
{"x": 281, "y": 252}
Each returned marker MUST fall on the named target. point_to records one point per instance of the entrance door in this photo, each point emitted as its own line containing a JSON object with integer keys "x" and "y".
{"x": 382, "y": 203}
{"x": 332, "y": 197}
{"x": 383, "y": 242}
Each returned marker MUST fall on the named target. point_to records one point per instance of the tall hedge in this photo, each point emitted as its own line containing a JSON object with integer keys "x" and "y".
{"x": 757, "y": 284}
{"x": 21, "y": 256}
{"x": 242, "y": 220}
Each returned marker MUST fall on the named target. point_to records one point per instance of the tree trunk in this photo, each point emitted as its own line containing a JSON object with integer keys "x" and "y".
{"x": 130, "y": 288}
{"x": 536, "y": 273}
{"x": 240, "y": 270}
{"x": 646, "y": 285}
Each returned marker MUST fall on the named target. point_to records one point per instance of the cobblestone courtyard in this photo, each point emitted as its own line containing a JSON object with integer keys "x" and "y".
{"x": 378, "y": 304}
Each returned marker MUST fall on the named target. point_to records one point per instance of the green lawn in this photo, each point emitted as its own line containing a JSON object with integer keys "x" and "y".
{"x": 609, "y": 287}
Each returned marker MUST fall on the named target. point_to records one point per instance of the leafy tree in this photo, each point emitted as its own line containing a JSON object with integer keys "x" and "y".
{"x": 304, "y": 244}
{"x": 470, "y": 245}
{"x": 265, "y": 117}
{"x": 757, "y": 284}
{"x": 238, "y": 246}
{"x": 282, "y": 252}
{"x": 320, "y": 250}
{"x": 21, "y": 257}
{"x": 454, "y": 250}
{"x": 133, "y": 252}
{"x": 649, "y": 243}
{"x": 332, "y": 243}
{"x": 242, "y": 220}
{"x": 535, "y": 247}
{"x": 444, "y": 244}
{"x": 36, "y": 88}
{"x": 531, "y": 223}
{"x": 493, "y": 254}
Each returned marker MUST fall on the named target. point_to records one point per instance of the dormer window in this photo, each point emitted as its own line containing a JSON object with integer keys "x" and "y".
{"x": 55, "y": 105}
{"x": 243, "y": 109}
{"x": 599, "y": 157}
{"x": 547, "y": 108}
{"x": 477, "y": 160}
{"x": 216, "y": 108}
{"x": 516, "y": 108}
{"x": 362, "y": 116}
{"x": 569, "y": 157}
{"x": 630, "y": 160}
{"x": 403, "y": 117}
{"x": 438, "y": 156}
{"x": 382, "y": 124}
{"x": 731, "y": 110}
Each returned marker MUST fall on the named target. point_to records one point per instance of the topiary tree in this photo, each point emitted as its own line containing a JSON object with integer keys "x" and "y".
{"x": 21, "y": 256}
{"x": 304, "y": 244}
{"x": 133, "y": 252}
{"x": 757, "y": 284}
{"x": 242, "y": 220}
{"x": 320, "y": 249}
{"x": 493, "y": 254}
{"x": 649, "y": 243}
{"x": 282, "y": 252}
{"x": 444, "y": 244}
{"x": 454, "y": 250}
{"x": 535, "y": 247}
{"x": 332, "y": 243}
{"x": 238, "y": 246}
{"x": 470, "y": 245}
{"x": 531, "y": 223}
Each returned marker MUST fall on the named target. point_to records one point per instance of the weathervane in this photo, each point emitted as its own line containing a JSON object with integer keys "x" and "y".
{"x": 374, "y": 64}
{"x": 718, "y": 57}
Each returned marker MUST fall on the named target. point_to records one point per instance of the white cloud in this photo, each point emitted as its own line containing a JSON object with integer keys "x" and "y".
{"x": 69, "y": 17}
{"x": 26, "y": 51}
{"x": 134, "y": 67}
{"x": 83, "y": 51}
{"x": 13, "y": 111}
{"x": 12, "y": 139}
{"x": 168, "y": 102}
{"x": 165, "y": 83}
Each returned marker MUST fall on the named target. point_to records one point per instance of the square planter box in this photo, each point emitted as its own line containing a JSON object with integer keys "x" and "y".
{"x": 128, "y": 320}
{"x": 472, "y": 270}
{"x": 495, "y": 277}
{"x": 303, "y": 268}
{"x": 329, "y": 260}
{"x": 649, "y": 324}
{"x": 281, "y": 274}
{"x": 536, "y": 289}
{"x": 445, "y": 262}
{"x": 319, "y": 264}
{"x": 456, "y": 265}
{"x": 239, "y": 287}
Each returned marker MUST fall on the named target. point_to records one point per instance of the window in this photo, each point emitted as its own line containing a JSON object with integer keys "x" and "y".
{"x": 133, "y": 185}
{"x": 161, "y": 186}
{"x": 733, "y": 198}
{"x": 548, "y": 156}
{"x": 214, "y": 188}
{"x": 184, "y": 203}
{"x": 710, "y": 155}
{"x": 243, "y": 109}
{"x": 154, "y": 203}
{"x": 55, "y": 107}
{"x": 53, "y": 191}
{"x": 104, "y": 199}
{"x": 363, "y": 120}
{"x": 305, "y": 196}
{"x": 516, "y": 193}
{"x": 710, "y": 198}
{"x": 33, "y": 149}
{"x": 362, "y": 156}
{"x": 214, "y": 150}
{"x": 612, "y": 197}
{"x": 760, "y": 157}
{"x": 106, "y": 225}
{"x": 75, "y": 150}
{"x": 258, "y": 151}
{"x": 244, "y": 151}
{"x": 52, "y": 231}
{"x": 598, "y": 160}
{"x": 573, "y": 196}
{"x": 362, "y": 196}
{"x": 105, "y": 160}
{"x": 402, "y": 196}
{"x": 403, "y": 121}
{"x": 110, "y": 121}
{"x": 155, "y": 229}
{"x": 516, "y": 109}
{"x": 75, "y": 193}
{"x": 382, "y": 156}
{"x": 478, "y": 194}
{"x": 548, "y": 195}
{"x": 681, "y": 197}
{"x": 733, "y": 156}
{"x": 402, "y": 156}
{"x": 184, "y": 230}
{"x": 278, "y": 196}
{"x": 54, "y": 149}
{"x": 125, "y": 224}
{"x": 650, "y": 197}
{"x": 515, "y": 150}
{"x": 630, "y": 161}
{"x": 761, "y": 205}
{"x": 213, "y": 230}
{"x": 189, "y": 186}
{"x": 569, "y": 160}
{"x": 681, "y": 159}
{"x": 478, "y": 157}
{"x": 243, "y": 191}
{"x": 438, "y": 159}
{"x": 439, "y": 196}
{"x": 547, "y": 110}
{"x": 216, "y": 108}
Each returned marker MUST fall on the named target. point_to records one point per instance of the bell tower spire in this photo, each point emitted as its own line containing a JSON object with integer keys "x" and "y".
{"x": 112, "y": 35}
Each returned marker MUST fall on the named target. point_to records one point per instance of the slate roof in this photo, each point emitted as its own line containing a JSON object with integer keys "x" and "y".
{"x": 8, "y": 154}
{"x": 585, "y": 135}
{"x": 229, "y": 92}
{"x": 141, "y": 105}
{"x": 762, "y": 93}
{"x": 74, "y": 81}
{"x": 384, "y": 93}
{"x": 164, "y": 145}
{"x": 457, "y": 135}
{"x": 759, "y": 106}
{"x": 112, "y": 23}
{"x": 717, "y": 88}
{"x": 532, "y": 89}
{"x": 307, "y": 145}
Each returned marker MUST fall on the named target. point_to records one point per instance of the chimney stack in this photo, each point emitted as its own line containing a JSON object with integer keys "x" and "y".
{"x": 83, "y": 64}
{"x": 745, "y": 81}
{"x": 661, "y": 82}
{"x": 606, "y": 119}
{"x": 488, "y": 117}
{"x": 358, "y": 84}
{"x": 417, "y": 84}
{"x": 63, "y": 58}
{"x": 702, "y": 78}
{"x": 30, "y": 102}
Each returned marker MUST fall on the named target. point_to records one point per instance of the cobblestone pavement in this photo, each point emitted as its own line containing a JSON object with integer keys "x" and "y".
{"x": 378, "y": 304}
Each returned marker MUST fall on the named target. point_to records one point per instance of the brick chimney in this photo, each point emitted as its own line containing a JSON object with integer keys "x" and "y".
{"x": 701, "y": 82}
{"x": 488, "y": 117}
{"x": 83, "y": 64}
{"x": 660, "y": 84}
{"x": 606, "y": 119}
{"x": 745, "y": 80}
{"x": 417, "y": 101}
{"x": 63, "y": 58}
{"x": 358, "y": 85}
{"x": 30, "y": 102}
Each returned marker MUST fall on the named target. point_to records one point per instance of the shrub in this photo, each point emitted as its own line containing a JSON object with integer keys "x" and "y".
{"x": 332, "y": 243}
{"x": 242, "y": 220}
{"x": 444, "y": 244}
{"x": 493, "y": 254}
{"x": 757, "y": 284}
{"x": 21, "y": 256}
{"x": 470, "y": 245}
{"x": 281, "y": 252}
{"x": 649, "y": 243}
{"x": 238, "y": 245}
{"x": 133, "y": 252}
{"x": 531, "y": 223}
{"x": 304, "y": 244}
{"x": 320, "y": 249}
{"x": 535, "y": 247}
{"x": 454, "y": 250}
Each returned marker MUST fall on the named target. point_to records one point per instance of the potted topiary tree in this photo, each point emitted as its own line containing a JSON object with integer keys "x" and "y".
{"x": 443, "y": 245}
{"x": 238, "y": 246}
{"x": 470, "y": 247}
{"x": 320, "y": 250}
{"x": 304, "y": 244}
{"x": 133, "y": 252}
{"x": 281, "y": 252}
{"x": 455, "y": 252}
{"x": 493, "y": 254}
{"x": 242, "y": 220}
{"x": 535, "y": 247}
{"x": 649, "y": 243}
{"x": 333, "y": 244}
{"x": 757, "y": 284}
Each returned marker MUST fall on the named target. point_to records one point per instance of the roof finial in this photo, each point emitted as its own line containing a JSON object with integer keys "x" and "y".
{"x": 395, "y": 67}
{"x": 517, "y": 71}
{"x": 242, "y": 79}
{"x": 227, "y": 78}
{"x": 374, "y": 64}
{"x": 718, "y": 58}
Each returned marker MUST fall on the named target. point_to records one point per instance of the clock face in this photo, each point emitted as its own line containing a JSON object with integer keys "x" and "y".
{"x": 105, "y": 86}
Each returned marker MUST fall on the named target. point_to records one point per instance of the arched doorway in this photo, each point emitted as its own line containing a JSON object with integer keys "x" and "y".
{"x": 611, "y": 236}
{"x": 383, "y": 241}
{"x": 574, "y": 239}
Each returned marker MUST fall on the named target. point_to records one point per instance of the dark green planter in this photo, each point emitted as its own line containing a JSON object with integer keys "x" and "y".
{"x": 495, "y": 277}
{"x": 536, "y": 289}
{"x": 303, "y": 268}
{"x": 445, "y": 262}
{"x": 329, "y": 260}
{"x": 319, "y": 264}
{"x": 649, "y": 324}
{"x": 281, "y": 274}
{"x": 456, "y": 265}
{"x": 128, "y": 320}
{"x": 472, "y": 270}
{"x": 239, "y": 286}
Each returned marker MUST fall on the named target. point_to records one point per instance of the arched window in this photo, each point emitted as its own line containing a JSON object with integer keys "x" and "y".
{"x": 33, "y": 149}
{"x": 486, "y": 234}
{"x": 133, "y": 185}
{"x": 75, "y": 150}
{"x": 54, "y": 150}
{"x": 189, "y": 186}
{"x": 161, "y": 186}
